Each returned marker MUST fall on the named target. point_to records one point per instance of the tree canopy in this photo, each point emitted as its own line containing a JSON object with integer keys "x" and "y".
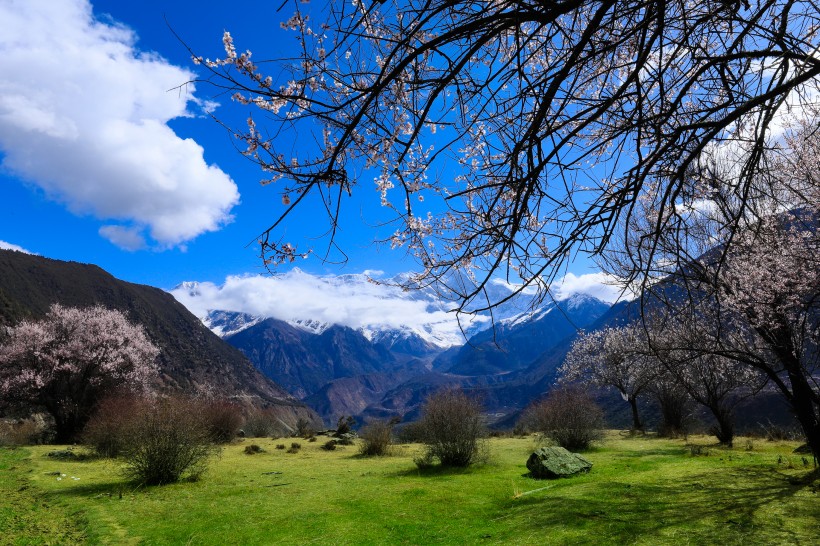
{"x": 507, "y": 136}
{"x": 70, "y": 359}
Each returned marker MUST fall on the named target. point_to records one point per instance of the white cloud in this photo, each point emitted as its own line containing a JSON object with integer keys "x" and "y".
{"x": 124, "y": 237}
{"x": 83, "y": 115}
{"x": 9, "y": 246}
{"x": 349, "y": 300}
{"x": 598, "y": 285}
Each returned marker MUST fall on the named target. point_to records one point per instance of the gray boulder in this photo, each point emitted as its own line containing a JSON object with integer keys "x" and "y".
{"x": 556, "y": 462}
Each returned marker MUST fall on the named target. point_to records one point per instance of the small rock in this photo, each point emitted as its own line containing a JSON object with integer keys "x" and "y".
{"x": 556, "y": 462}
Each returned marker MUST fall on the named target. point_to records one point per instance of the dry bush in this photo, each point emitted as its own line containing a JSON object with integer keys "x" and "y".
{"x": 377, "y": 438}
{"x": 773, "y": 432}
{"x": 167, "y": 441}
{"x": 253, "y": 449}
{"x": 409, "y": 433}
{"x": 569, "y": 417}
{"x": 305, "y": 428}
{"x": 260, "y": 423}
{"x": 108, "y": 428}
{"x": 344, "y": 425}
{"x": 29, "y": 431}
{"x": 223, "y": 419}
{"x": 452, "y": 429}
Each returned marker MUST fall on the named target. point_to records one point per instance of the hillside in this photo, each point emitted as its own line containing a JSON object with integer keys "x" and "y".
{"x": 192, "y": 359}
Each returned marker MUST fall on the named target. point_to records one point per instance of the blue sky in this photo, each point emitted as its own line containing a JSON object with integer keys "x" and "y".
{"x": 105, "y": 162}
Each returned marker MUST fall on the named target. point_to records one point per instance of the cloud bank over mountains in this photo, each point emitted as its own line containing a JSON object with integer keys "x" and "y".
{"x": 351, "y": 300}
{"x": 84, "y": 115}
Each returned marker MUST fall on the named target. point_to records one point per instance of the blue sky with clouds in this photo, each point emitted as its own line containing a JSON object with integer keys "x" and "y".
{"x": 109, "y": 158}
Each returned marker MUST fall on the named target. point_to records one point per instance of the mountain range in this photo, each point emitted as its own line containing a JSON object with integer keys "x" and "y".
{"x": 389, "y": 368}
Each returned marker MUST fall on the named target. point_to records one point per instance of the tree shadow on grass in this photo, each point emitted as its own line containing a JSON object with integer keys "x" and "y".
{"x": 79, "y": 489}
{"x": 729, "y": 507}
{"x": 432, "y": 471}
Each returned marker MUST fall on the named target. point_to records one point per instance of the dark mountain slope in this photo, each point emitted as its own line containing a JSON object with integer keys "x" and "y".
{"x": 304, "y": 362}
{"x": 513, "y": 344}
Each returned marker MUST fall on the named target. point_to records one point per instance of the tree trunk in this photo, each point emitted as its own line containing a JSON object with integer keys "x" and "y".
{"x": 636, "y": 420}
{"x": 802, "y": 398}
{"x": 807, "y": 412}
{"x": 673, "y": 413}
{"x": 725, "y": 428}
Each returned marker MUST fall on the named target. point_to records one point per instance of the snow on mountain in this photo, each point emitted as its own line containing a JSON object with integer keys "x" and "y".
{"x": 226, "y": 323}
{"x": 309, "y": 325}
{"x": 378, "y": 308}
{"x": 572, "y": 304}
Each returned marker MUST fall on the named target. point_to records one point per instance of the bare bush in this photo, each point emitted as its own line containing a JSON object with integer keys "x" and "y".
{"x": 304, "y": 428}
{"x": 344, "y": 425}
{"x": 452, "y": 428}
{"x": 377, "y": 438}
{"x": 777, "y": 433}
{"x": 569, "y": 417}
{"x": 222, "y": 418}
{"x": 166, "y": 442}
{"x": 108, "y": 428}
{"x": 29, "y": 431}
{"x": 260, "y": 423}
{"x": 410, "y": 433}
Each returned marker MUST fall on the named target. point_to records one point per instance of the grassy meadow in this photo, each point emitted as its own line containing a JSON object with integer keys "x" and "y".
{"x": 641, "y": 490}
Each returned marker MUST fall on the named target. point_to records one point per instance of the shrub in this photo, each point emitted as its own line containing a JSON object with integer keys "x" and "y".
{"x": 410, "y": 432}
{"x": 776, "y": 433}
{"x": 107, "y": 430}
{"x": 260, "y": 423}
{"x": 569, "y": 417}
{"x": 344, "y": 425}
{"x": 304, "y": 428}
{"x": 280, "y": 446}
{"x": 452, "y": 428}
{"x": 377, "y": 438}
{"x": 222, "y": 418}
{"x": 330, "y": 445}
{"x": 166, "y": 442}
{"x": 253, "y": 449}
{"x": 29, "y": 431}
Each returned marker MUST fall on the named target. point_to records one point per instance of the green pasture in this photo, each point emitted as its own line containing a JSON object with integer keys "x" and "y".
{"x": 642, "y": 490}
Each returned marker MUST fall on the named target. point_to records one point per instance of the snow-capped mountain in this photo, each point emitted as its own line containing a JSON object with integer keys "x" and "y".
{"x": 359, "y": 301}
{"x": 226, "y": 323}
{"x": 344, "y": 341}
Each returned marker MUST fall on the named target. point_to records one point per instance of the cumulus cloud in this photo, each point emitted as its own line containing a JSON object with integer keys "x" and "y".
{"x": 9, "y": 246}
{"x": 598, "y": 285}
{"x": 349, "y": 300}
{"x": 127, "y": 238}
{"x": 83, "y": 115}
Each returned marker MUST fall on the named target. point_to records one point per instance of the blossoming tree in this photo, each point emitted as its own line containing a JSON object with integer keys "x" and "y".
{"x": 613, "y": 357}
{"x": 716, "y": 382}
{"x": 70, "y": 359}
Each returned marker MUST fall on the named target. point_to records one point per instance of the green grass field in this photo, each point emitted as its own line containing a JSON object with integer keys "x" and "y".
{"x": 641, "y": 490}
